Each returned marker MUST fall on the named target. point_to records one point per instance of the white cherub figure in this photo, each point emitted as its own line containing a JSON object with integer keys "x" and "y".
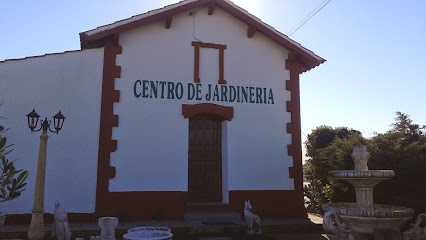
{"x": 60, "y": 227}
{"x": 252, "y": 219}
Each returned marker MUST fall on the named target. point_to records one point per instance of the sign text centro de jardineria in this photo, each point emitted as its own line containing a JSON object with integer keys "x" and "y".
{"x": 194, "y": 91}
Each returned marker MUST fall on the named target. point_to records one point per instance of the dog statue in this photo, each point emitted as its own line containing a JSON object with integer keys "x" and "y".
{"x": 60, "y": 227}
{"x": 252, "y": 219}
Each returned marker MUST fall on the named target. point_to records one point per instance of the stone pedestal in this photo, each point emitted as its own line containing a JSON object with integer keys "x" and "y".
{"x": 364, "y": 198}
{"x": 108, "y": 225}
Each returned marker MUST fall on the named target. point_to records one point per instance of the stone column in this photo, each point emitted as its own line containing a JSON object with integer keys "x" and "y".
{"x": 36, "y": 230}
{"x": 364, "y": 197}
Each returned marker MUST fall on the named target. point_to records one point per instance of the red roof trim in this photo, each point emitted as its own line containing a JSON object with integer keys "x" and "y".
{"x": 39, "y": 56}
{"x": 306, "y": 59}
{"x": 312, "y": 62}
{"x": 150, "y": 19}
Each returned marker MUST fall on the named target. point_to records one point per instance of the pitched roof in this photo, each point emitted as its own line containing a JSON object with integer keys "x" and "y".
{"x": 97, "y": 37}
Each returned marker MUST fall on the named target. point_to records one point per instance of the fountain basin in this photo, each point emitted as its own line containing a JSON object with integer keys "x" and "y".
{"x": 364, "y": 179}
{"x": 148, "y": 235}
{"x": 368, "y": 220}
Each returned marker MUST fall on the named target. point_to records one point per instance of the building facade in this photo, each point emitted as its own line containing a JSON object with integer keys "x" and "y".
{"x": 192, "y": 107}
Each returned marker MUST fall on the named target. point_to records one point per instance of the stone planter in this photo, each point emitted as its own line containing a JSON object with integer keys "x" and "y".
{"x": 137, "y": 229}
{"x": 148, "y": 235}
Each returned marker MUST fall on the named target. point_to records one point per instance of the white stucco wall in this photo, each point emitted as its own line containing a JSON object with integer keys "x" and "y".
{"x": 152, "y": 136}
{"x": 69, "y": 82}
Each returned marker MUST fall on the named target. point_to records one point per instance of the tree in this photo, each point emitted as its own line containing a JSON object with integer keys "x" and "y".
{"x": 404, "y": 125}
{"x": 402, "y": 149}
{"x": 329, "y": 149}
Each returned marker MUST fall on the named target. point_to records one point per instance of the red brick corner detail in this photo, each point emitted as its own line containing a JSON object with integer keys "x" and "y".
{"x": 224, "y": 113}
{"x": 107, "y": 121}
{"x": 294, "y": 127}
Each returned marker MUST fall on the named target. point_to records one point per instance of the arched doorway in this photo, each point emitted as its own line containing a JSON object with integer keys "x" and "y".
{"x": 205, "y": 159}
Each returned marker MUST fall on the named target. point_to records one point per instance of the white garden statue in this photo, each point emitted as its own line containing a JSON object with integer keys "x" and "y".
{"x": 335, "y": 229}
{"x": 416, "y": 232}
{"x": 60, "y": 227}
{"x": 252, "y": 219}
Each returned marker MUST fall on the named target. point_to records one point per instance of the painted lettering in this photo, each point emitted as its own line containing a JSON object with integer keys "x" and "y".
{"x": 163, "y": 85}
{"x": 134, "y": 88}
{"x": 216, "y": 93}
{"x": 264, "y": 95}
{"x": 209, "y": 95}
{"x": 191, "y": 91}
{"x": 154, "y": 88}
{"x": 238, "y": 93}
{"x": 258, "y": 95}
{"x": 222, "y": 93}
{"x": 223, "y": 90}
{"x": 244, "y": 94}
{"x": 179, "y": 90}
{"x": 170, "y": 90}
{"x": 232, "y": 94}
{"x": 198, "y": 97}
{"x": 271, "y": 97}
{"x": 145, "y": 88}
{"x": 251, "y": 94}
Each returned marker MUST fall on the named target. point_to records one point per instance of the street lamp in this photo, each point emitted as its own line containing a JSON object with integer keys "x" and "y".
{"x": 36, "y": 230}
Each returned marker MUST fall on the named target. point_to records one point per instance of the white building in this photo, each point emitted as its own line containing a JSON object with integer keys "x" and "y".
{"x": 196, "y": 102}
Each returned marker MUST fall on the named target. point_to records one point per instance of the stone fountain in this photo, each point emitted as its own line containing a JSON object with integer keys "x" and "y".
{"x": 360, "y": 220}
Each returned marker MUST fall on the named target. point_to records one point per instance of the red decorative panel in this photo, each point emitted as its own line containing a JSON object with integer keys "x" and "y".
{"x": 222, "y": 112}
{"x": 220, "y": 47}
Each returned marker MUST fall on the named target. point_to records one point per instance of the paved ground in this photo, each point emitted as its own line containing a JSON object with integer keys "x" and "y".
{"x": 278, "y": 229}
{"x": 310, "y": 236}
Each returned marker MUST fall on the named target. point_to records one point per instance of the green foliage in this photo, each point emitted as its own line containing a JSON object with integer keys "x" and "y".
{"x": 402, "y": 149}
{"x": 12, "y": 181}
{"x": 329, "y": 149}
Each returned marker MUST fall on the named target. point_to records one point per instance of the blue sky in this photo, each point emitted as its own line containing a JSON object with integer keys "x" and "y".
{"x": 375, "y": 50}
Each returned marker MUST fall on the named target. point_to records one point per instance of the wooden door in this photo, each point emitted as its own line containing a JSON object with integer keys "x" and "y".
{"x": 205, "y": 159}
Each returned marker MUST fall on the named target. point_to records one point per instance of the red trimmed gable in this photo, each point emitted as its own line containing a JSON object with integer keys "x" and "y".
{"x": 98, "y": 37}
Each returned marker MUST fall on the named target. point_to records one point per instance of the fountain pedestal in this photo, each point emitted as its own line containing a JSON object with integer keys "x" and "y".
{"x": 346, "y": 220}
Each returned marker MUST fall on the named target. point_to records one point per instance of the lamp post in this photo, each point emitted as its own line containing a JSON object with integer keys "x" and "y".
{"x": 36, "y": 230}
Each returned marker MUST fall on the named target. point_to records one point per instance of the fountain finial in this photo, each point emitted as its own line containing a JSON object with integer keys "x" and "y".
{"x": 360, "y": 157}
